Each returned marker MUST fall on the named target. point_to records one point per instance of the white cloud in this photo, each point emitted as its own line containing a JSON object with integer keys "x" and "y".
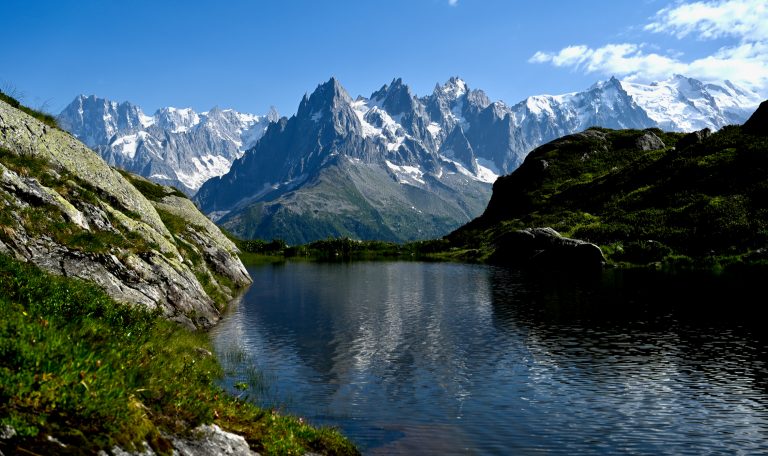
{"x": 453, "y": 2}
{"x": 624, "y": 59}
{"x": 744, "y": 22}
{"x": 744, "y": 19}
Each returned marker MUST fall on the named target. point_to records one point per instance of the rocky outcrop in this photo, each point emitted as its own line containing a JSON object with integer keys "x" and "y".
{"x": 693, "y": 138}
{"x": 63, "y": 208}
{"x": 545, "y": 248}
{"x": 648, "y": 141}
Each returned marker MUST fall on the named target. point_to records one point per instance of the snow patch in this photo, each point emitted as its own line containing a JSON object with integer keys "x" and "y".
{"x": 126, "y": 145}
{"x": 360, "y": 108}
{"x": 145, "y": 120}
{"x": 487, "y": 170}
{"x": 434, "y": 129}
{"x": 206, "y": 167}
{"x": 406, "y": 174}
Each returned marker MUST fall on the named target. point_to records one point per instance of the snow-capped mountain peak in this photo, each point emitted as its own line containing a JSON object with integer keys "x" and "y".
{"x": 175, "y": 146}
{"x": 686, "y": 104}
{"x": 176, "y": 120}
{"x": 454, "y": 88}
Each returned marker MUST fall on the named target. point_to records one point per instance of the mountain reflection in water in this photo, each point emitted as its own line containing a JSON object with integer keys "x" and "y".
{"x": 439, "y": 358}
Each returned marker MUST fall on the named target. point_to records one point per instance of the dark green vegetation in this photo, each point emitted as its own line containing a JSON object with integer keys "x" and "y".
{"x": 45, "y": 118}
{"x": 76, "y": 366}
{"x": 340, "y": 249}
{"x": 693, "y": 201}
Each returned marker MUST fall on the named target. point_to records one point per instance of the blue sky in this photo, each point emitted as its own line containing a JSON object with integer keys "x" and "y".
{"x": 249, "y": 55}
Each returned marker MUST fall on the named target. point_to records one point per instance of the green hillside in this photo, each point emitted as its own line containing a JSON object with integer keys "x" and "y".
{"x": 643, "y": 196}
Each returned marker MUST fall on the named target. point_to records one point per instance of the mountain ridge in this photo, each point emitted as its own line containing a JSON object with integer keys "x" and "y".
{"x": 454, "y": 138}
{"x": 174, "y": 146}
{"x": 420, "y": 143}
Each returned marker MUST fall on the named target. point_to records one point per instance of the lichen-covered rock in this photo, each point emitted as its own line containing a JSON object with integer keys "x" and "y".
{"x": 25, "y": 135}
{"x": 219, "y": 251}
{"x": 64, "y": 209}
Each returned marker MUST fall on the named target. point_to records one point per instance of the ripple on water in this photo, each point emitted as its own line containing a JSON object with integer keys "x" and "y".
{"x": 414, "y": 358}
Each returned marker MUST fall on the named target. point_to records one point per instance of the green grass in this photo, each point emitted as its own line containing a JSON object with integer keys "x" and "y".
{"x": 44, "y": 117}
{"x": 92, "y": 373}
{"x": 701, "y": 205}
{"x": 150, "y": 190}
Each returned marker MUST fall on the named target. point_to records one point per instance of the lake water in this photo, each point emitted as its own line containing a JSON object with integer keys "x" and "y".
{"x": 438, "y": 358}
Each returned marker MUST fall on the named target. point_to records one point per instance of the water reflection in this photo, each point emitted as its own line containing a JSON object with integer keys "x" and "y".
{"x": 441, "y": 358}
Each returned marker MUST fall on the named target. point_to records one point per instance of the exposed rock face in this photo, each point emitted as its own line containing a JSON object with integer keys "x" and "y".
{"x": 64, "y": 209}
{"x": 545, "y": 248}
{"x": 205, "y": 440}
{"x": 363, "y": 168}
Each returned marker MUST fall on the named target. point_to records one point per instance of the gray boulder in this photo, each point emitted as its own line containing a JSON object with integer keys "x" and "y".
{"x": 545, "y": 248}
{"x": 693, "y": 138}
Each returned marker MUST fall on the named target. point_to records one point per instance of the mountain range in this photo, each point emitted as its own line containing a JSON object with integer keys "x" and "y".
{"x": 177, "y": 147}
{"x": 395, "y": 166}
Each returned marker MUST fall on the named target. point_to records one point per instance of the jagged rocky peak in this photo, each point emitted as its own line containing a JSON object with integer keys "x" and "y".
{"x": 396, "y": 98}
{"x": 330, "y": 105}
{"x": 176, "y": 120}
{"x": 328, "y": 95}
{"x": 612, "y": 86}
{"x": 273, "y": 115}
{"x": 479, "y": 99}
{"x": 95, "y": 120}
{"x": 177, "y": 147}
{"x": 454, "y": 88}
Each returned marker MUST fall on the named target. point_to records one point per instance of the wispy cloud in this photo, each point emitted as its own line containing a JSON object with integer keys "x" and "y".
{"x": 453, "y": 2}
{"x": 746, "y": 61}
{"x": 624, "y": 59}
{"x": 743, "y": 19}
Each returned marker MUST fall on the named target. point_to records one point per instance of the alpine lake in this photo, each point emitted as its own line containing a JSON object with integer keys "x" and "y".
{"x": 444, "y": 358}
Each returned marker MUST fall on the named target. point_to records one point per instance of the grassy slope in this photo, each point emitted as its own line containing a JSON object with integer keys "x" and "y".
{"x": 698, "y": 205}
{"x": 44, "y": 117}
{"x": 92, "y": 373}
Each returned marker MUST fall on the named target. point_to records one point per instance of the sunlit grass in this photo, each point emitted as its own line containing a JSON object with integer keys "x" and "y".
{"x": 92, "y": 373}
